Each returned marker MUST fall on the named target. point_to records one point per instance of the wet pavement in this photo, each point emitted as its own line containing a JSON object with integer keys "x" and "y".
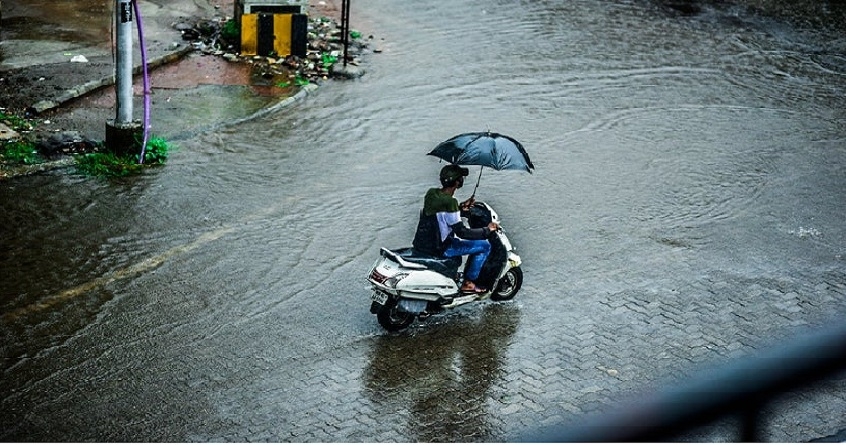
{"x": 44, "y": 37}
{"x": 686, "y": 212}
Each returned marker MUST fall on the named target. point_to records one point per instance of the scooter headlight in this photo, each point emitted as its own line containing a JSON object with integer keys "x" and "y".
{"x": 392, "y": 281}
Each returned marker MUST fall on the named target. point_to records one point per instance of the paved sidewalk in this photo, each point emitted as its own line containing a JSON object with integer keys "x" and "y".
{"x": 38, "y": 68}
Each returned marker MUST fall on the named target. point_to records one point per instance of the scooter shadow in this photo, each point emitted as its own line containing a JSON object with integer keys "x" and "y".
{"x": 442, "y": 378}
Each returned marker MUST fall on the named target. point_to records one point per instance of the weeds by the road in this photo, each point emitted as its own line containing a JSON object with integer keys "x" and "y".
{"x": 23, "y": 151}
{"x": 20, "y": 152}
{"x": 15, "y": 122}
{"x": 111, "y": 165}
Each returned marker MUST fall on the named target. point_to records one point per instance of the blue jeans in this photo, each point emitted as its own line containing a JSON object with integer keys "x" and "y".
{"x": 477, "y": 250}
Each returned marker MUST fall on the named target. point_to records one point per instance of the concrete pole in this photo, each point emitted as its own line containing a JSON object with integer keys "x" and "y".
{"x": 123, "y": 61}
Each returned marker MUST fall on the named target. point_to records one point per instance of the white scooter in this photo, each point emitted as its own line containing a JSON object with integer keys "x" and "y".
{"x": 407, "y": 284}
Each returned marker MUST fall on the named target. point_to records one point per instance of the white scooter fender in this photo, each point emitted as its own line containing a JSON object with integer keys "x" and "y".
{"x": 426, "y": 285}
{"x": 513, "y": 260}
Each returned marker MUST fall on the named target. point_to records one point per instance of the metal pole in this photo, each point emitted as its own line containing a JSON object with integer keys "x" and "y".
{"x": 343, "y": 19}
{"x": 123, "y": 61}
{"x": 345, "y": 26}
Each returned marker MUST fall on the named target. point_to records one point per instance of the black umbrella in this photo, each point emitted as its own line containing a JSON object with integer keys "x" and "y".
{"x": 486, "y": 149}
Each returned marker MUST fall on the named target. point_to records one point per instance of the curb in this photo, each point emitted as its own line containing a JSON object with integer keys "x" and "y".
{"x": 303, "y": 92}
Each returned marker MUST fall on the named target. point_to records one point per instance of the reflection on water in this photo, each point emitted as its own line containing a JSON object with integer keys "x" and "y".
{"x": 443, "y": 378}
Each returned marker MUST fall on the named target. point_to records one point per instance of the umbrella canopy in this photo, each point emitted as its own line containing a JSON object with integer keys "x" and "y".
{"x": 487, "y": 149}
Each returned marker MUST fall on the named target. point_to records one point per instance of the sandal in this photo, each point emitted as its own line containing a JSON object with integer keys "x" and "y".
{"x": 473, "y": 290}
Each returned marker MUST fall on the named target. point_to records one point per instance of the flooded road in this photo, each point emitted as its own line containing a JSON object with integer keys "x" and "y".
{"x": 687, "y": 208}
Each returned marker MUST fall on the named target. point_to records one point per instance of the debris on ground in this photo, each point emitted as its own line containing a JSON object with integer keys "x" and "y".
{"x": 325, "y": 52}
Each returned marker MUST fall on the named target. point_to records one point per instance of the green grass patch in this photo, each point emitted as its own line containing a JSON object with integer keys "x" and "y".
{"x": 16, "y": 123}
{"x": 298, "y": 81}
{"x": 107, "y": 165}
{"x": 111, "y": 165}
{"x": 20, "y": 152}
{"x": 230, "y": 32}
{"x": 158, "y": 150}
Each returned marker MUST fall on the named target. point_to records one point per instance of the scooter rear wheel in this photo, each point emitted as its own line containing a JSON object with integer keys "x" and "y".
{"x": 392, "y": 318}
{"x": 508, "y": 286}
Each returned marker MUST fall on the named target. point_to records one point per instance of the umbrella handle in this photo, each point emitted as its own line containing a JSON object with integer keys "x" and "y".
{"x": 477, "y": 183}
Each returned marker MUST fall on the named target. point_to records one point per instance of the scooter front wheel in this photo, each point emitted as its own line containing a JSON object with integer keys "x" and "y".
{"x": 508, "y": 285}
{"x": 392, "y": 318}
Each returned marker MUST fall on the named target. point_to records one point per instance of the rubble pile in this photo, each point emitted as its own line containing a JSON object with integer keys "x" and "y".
{"x": 219, "y": 37}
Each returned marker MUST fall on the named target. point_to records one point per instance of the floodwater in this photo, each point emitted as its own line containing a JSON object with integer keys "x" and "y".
{"x": 685, "y": 151}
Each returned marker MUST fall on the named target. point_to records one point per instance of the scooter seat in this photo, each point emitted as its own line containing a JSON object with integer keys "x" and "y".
{"x": 444, "y": 266}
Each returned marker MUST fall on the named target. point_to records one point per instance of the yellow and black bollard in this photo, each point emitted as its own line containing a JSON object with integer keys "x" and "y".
{"x": 266, "y": 34}
{"x": 273, "y": 27}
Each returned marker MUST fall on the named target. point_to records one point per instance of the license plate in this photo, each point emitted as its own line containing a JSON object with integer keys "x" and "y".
{"x": 379, "y": 297}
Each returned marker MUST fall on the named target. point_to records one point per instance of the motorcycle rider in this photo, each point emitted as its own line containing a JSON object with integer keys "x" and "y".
{"x": 442, "y": 232}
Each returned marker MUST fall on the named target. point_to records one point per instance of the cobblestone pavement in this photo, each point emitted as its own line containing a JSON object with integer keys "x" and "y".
{"x": 502, "y": 370}
{"x": 486, "y": 372}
